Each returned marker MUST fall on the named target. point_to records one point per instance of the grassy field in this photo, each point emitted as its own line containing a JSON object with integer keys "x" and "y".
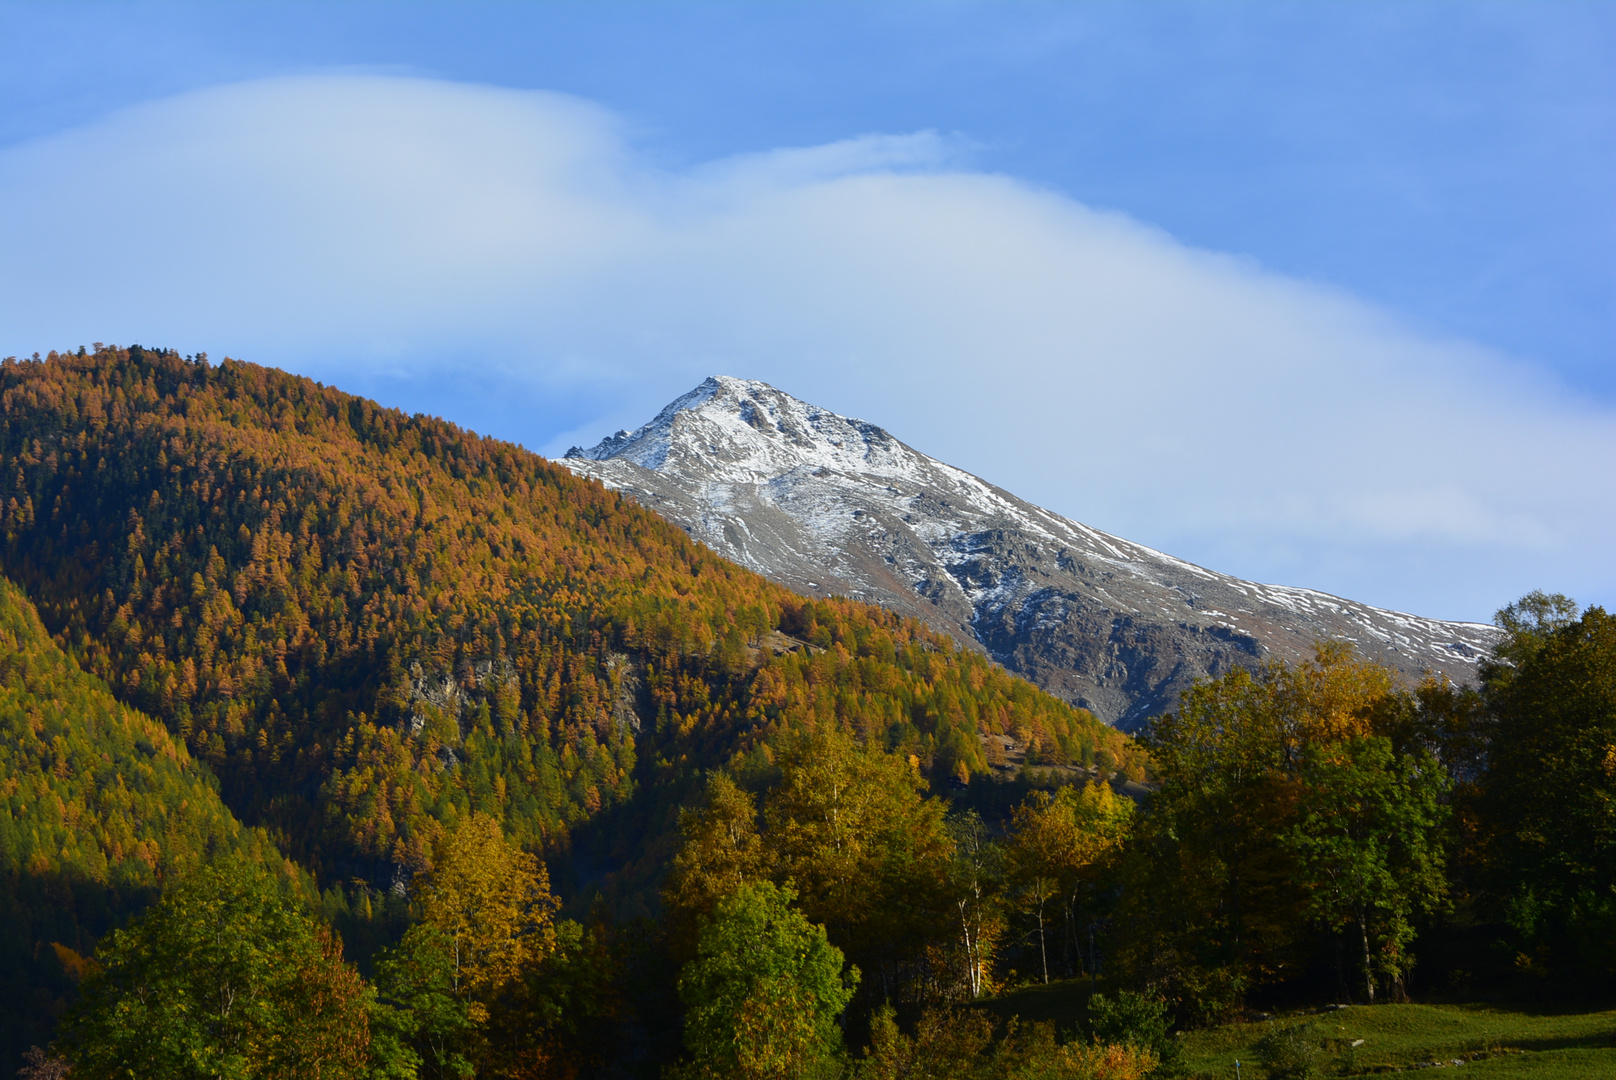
{"x": 1490, "y": 1040}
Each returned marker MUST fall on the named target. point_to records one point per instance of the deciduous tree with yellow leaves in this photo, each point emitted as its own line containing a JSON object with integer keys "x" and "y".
{"x": 484, "y": 920}
{"x": 1056, "y": 843}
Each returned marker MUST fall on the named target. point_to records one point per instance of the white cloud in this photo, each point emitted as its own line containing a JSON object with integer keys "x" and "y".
{"x": 366, "y": 228}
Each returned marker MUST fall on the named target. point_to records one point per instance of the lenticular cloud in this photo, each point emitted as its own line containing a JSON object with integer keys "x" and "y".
{"x": 507, "y": 258}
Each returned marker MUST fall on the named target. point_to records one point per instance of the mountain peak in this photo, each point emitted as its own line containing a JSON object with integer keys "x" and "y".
{"x": 743, "y": 430}
{"x": 823, "y": 503}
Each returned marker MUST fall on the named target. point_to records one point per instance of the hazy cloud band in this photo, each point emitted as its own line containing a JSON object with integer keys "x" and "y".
{"x": 445, "y": 237}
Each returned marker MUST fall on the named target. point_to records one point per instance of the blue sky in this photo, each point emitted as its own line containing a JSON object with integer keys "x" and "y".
{"x": 1314, "y": 293}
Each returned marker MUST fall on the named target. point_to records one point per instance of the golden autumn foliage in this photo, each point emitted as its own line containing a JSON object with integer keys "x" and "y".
{"x": 491, "y": 902}
{"x": 421, "y": 660}
{"x": 849, "y": 829}
{"x": 959, "y": 1044}
{"x": 424, "y": 661}
{"x": 368, "y": 624}
{"x": 722, "y": 850}
{"x": 1056, "y": 843}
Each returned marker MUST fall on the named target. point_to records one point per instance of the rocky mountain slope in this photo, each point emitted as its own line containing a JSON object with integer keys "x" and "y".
{"x": 830, "y": 505}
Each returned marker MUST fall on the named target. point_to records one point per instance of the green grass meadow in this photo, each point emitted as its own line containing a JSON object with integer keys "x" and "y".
{"x": 1489, "y": 1040}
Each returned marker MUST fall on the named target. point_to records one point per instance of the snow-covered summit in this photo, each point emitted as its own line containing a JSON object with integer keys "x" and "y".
{"x": 828, "y": 504}
{"x": 745, "y": 431}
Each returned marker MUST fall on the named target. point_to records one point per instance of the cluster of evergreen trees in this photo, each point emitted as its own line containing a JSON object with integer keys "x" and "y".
{"x": 308, "y": 677}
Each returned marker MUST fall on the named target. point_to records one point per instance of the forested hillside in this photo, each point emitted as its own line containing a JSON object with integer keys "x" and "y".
{"x": 98, "y": 807}
{"x": 530, "y": 785}
{"x": 94, "y": 790}
{"x": 368, "y": 623}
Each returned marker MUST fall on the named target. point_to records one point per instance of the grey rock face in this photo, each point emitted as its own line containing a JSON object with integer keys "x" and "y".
{"x": 827, "y": 505}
